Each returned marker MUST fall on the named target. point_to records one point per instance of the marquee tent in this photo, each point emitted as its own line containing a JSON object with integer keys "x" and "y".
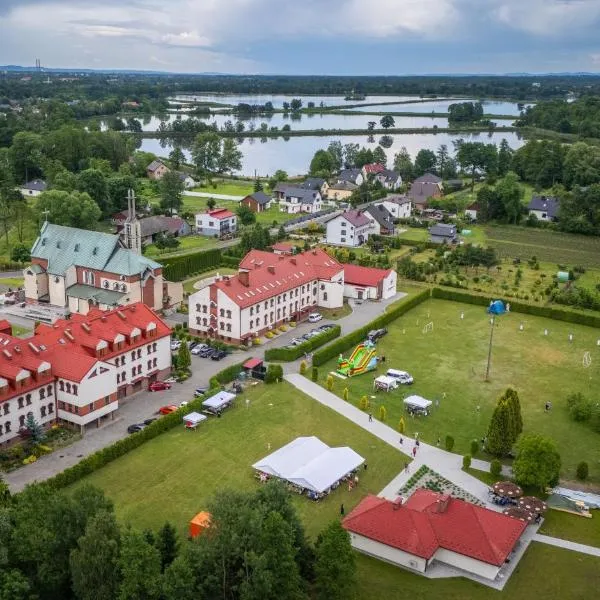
{"x": 218, "y": 402}
{"x": 193, "y": 419}
{"x": 310, "y": 464}
{"x": 417, "y": 402}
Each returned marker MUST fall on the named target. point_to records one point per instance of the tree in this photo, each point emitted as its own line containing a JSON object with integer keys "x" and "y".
{"x": 167, "y": 545}
{"x": 20, "y": 253}
{"x": 514, "y": 404}
{"x": 211, "y": 203}
{"x": 206, "y": 153}
{"x": 95, "y": 562}
{"x": 4, "y": 498}
{"x": 537, "y": 462}
{"x": 179, "y": 581}
{"x": 425, "y": 162}
{"x": 401, "y": 425}
{"x": 379, "y": 156}
{"x": 477, "y": 156}
{"x": 323, "y": 164}
{"x": 387, "y": 121}
{"x": 281, "y": 234}
{"x": 371, "y": 125}
{"x": 245, "y": 214}
{"x": 335, "y": 567}
{"x": 278, "y": 176}
{"x": 510, "y": 194}
{"x": 93, "y": 182}
{"x": 442, "y": 158}
{"x": 505, "y": 156}
{"x": 73, "y": 209}
{"x": 34, "y": 429}
{"x": 500, "y": 436}
{"x": 258, "y": 186}
{"x": 26, "y": 156}
{"x": 139, "y": 563}
{"x": 336, "y": 150}
{"x": 581, "y": 165}
{"x": 171, "y": 189}
{"x": 350, "y": 152}
{"x": 231, "y": 157}
{"x": 184, "y": 358}
{"x": 296, "y": 104}
{"x": 177, "y": 157}
{"x": 117, "y": 187}
{"x": 403, "y": 164}
{"x": 15, "y": 586}
{"x": 382, "y": 413}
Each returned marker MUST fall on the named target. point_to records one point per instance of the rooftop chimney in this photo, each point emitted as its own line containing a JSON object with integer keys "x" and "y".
{"x": 293, "y": 261}
{"x": 271, "y": 269}
{"x": 442, "y": 503}
{"x": 244, "y": 277}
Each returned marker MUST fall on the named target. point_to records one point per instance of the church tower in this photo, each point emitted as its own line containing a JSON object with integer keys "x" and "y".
{"x": 133, "y": 229}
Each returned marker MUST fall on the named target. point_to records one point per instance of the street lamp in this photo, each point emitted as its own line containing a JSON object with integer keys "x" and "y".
{"x": 489, "y": 359}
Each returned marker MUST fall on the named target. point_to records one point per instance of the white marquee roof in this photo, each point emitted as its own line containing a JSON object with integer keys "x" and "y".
{"x": 194, "y": 418}
{"x": 417, "y": 401}
{"x": 219, "y": 400}
{"x": 310, "y": 463}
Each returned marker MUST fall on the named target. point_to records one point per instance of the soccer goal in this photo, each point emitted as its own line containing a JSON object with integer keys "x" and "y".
{"x": 428, "y": 328}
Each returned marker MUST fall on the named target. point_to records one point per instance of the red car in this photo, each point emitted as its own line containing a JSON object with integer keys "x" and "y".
{"x": 159, "y": 386}
{"x": 166, "y": 410}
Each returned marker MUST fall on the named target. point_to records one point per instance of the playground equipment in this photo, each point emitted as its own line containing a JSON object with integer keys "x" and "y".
{"x": 361, "y": 360}
{"x": 496, "y": 308}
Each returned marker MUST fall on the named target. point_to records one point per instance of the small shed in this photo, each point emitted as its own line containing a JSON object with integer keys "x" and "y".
{"x": 199, "y": 524}
{"x": 193, "y": 419}
{"x": 417, "y": 404}
{"x": 219, "y": 402}
{"x": 252, "y": 363}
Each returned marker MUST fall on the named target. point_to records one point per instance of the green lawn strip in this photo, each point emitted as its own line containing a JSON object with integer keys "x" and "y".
{"x": 227, "y": 189}
{"x": 414, "y": 233}
{"x": 17, "y": 330}
{"x": 572, "y": 527}
{"x": 333, "y": 314}
{"x": 484, "y": 476}
{"x": 188, "y": 284}
{"x": 12, "y": 282}
{"x": 172, "y": 476}
{"x": 544, "y": 572}
{"x": 189, "y": 242}
{"x": 451, "y": 360}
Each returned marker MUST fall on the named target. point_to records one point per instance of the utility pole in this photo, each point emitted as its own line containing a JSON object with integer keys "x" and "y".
{"x": 489, "y": 359}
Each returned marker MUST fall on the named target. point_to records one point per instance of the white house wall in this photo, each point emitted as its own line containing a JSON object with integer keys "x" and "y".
{"x": 466, "y": 563}
{"x": 387, "y": 553}
{"x": 352, "y": 291}
{"x": 331, "y": 293}
{"x": 389, "y": 285}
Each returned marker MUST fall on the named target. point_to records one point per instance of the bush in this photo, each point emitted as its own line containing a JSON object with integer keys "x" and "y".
{"x": 582, "y": 471}
{"x": 359, "y": 335}
{"x": 401, "y": 425}
{"x": 346, "y": 394}
{"x": 330, "y": 382}
{"x": 303, "y": 367}
{"x": 382, "y": 413}
{"x": 274, "y": 374}
{"x": 474, "y": 447}
{"x": 449, "y": 443}
{"x": 466, "y": 461}
{"x": 580, "y": 408}
{"x": 364, "y": 403}
{"x": 315, "y": 374}
{"x": 225, "y": 376}
{"x": 496, "y": 467}
{"x": 295, "y": 352}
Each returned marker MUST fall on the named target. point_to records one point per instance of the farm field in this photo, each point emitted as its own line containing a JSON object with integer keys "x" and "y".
{"x": 172, "y": 476}
{"x": 449, "y": 363}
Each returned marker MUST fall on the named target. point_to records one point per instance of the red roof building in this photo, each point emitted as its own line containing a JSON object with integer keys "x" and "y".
{"x": 78, "y": 368}
{"x": 432, "y": 527}
{"x": 372, "y": 169}
{"x": 283, "y": 248}
{"x": 365, "y": 283}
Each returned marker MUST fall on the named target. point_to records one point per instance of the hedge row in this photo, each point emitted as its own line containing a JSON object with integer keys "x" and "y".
{"x": 359, "y": 335}
{"x": 182, "y": 267}
{"x": 558, "y": 314}
{"x": 102, "y": 457}
{"x": 289, "y": 354}
{"x": 227, "y": 375}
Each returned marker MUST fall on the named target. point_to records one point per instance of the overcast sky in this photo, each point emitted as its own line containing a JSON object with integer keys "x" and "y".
{"x": 305, "y": 36}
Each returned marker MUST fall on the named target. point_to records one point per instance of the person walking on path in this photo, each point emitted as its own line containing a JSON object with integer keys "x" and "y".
{"x": 417, "y": 443}
{"x": 414, "y": 451}
{"x": 401, "y": 440}
{"x": 342, "y": 510}
{"x": 370, "y": 417}
{"x": 365, "y": 465}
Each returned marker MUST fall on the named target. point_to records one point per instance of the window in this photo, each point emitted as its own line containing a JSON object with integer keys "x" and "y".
{"x": 133, "y": 371}
{"x": 118, "y": 377}
{"x": 251, "y": 310}
{"x": 257, "y": 308}
{"x": 133, "y": 355}
{"x": 149, "y": 365}
{"x": 284, "y": 310}
{"x": 284, "y": 297}
{"x": 154, "y": 347}
{"x": 106, "y": 400}
{"x": 204, "y": 308}
{"x": 343, "y": 239}
{"x": 68, "y": 386}
{"x": 20, "y": 402}
{"x": 272, "y": 302}
{"x": 204, "y": 322}
{"x": 0, "y": 429}
{"x": 222, "y": 312}
{"x": 139, "y": 369}
{"x": 198, "y": 307}
{"x": 198, "y": 320}
{"x": 278, "y": 299}
{"x": 61, "y": 384}
{"x": 74, "y": 390}
{"x": 7, "y": 426}
{"x": 139, "y": 353}
{"x": 49, "y": 390}
{"x": 266, "y": 319}
{"x": 221, "y": 325}
{"x": 266, "y": 304}
{"x": 50, "y": 408}
{"x": 149, "y": 347}
{"x": 43, "y": 411}
{"x": 22, "y": 421}
{"x": 42, "y": 394}
{"x": 6, "y": 408}
{"x": 123, "y": 375}
{"x": 325, "y": 296}
{"x": 314, "y": 291}
{"x": 154, "y": 362}
{"x": 229, "y": 326}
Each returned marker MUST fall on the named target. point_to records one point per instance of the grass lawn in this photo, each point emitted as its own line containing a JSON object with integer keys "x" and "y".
{"x": 228, "y": 188}
{"x": 189, "y": 242}
{"x": 449, "y": 363}
{"x": 414, "y": 233}
{"x": 188, "y": 284}
{"x": 172, "y": 476}
{"x": 544, "y": 572}
{"x": 17, "y": 330}
{"x": 11, "y": 282}
{"x": 336, "y": 313}
{"x": 572, "y": 527}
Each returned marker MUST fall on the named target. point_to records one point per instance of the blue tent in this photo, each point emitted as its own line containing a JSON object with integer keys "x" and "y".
{"x": 496, "y": 308}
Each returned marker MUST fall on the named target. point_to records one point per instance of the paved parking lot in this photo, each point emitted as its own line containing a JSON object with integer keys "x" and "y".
{"x": 144, "y": 405}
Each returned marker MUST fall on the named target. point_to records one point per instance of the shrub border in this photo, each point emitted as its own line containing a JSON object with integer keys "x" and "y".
{"x": 290, "y": 354}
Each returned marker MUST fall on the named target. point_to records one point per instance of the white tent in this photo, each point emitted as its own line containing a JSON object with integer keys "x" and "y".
{"x": 218, "y": 401}
{"x": 383, "y": 382}
{"x": 309, "y": 463}
{"x": 417, "y": 402}
{"x": 193, "y": 419}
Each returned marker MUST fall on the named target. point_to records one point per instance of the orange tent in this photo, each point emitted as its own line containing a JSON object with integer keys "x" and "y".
{"x": 199, "y": 523}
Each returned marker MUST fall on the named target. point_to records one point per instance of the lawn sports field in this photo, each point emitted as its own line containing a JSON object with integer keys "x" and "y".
{"x": 449, "y": 363}
{"x": 172, "y": 476}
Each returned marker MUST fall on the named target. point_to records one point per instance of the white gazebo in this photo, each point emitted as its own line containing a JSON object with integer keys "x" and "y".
{"x": 417, "y": 403}
{"x": 218, "y": 402}
{"x": 193, "y": 419}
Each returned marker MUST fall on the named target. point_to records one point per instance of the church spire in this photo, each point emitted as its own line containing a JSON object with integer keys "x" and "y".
{"x": 133, "y": 228}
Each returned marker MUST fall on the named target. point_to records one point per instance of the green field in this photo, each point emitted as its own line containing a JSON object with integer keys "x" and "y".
{"x": 228, "y": 188}
{"x": 189, "y": 242}
{"x": 11, "y": 282}
{"x": 173, "y": 476}
{"x": 188, "y": 284}
{"x": 449, "y": 363}
{"x": 573, "y": 527}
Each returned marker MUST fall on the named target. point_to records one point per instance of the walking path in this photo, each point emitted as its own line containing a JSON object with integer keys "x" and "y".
{"x": 215, "y": 196}
{"x": 566, "y": 544}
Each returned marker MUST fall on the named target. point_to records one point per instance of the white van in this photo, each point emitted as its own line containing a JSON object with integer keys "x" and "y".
{"x": 403, "y": 377}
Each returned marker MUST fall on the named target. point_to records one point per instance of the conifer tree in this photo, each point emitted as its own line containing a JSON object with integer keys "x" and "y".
{"x": 500, "y": 435}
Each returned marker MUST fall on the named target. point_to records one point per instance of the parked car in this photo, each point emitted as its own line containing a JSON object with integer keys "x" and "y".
{"x": 206, "y": 352}
{"x": 136, "y": 427}
{"x": 149, "y": 421}
{"x": 167, "y": 410}
{"x": 326, "y": 326}
{"x": 314, "y": 317}
{"x": 175, "y": 345}
{"x": 192, "y": 345}
{"x": 198, "y": 348}
{"x": 375, "y": 334}
{"x": 200, "y": 391}
{"x": 171, "y": 380}
{"x": 218, "y": 355}
{"x": 183, "y": 403}
{"x": 403, "y": 377}
{"x": 159, "y": 386}
{"x": 296, "y": 342}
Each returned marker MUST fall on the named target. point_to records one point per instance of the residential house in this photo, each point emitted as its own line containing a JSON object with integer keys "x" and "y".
{"x": 316, "y": 184}
{"x": 430, "y": 528}
{"x": 372, "y": 169}
{"x": 545, "y": 208}
{"x": 274, "y": 288}
{"x": 283, "y": 248}
{"x": 472, "y": 211}
{"x": 390, "y": 180}
{"x": 443, "y": 233}
{"x": 219, "y": 222}
{"x": 187, "y": 180}
{"x": 368, "y": 283}
{"x": 351, "y": 228}
{"x": 156, "y": 170}
{"x": 428, "y": 178}
{"x": 257, "y": 201}
{"x": 33, "y": 188}
{"x": 76, "y": 370}
{"x": 400, "y": 207}
{"x": 300, "y": 200}
{"x": 421, "y": 191}
{"x": 341, "y": 191}
{"x": 80, "y": 269}
{"x": 151, "y": 227}
{"x": 382, "y": 221}
{"x": 354, "y": 176}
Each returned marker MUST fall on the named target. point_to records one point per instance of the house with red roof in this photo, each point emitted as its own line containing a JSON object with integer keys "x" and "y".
{"x": 432, "y": 527}
{"x": 218, "y": 222}
{"x": 372, "y": 169}
{"x": 283, "y": 248}
{"x": 78, "y": 369}
{"x": 369, "y": 283}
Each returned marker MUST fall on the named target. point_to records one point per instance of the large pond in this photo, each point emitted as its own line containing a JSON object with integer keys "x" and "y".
{"x": 490, "y": 107}
{"x": 265, "y": 156}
